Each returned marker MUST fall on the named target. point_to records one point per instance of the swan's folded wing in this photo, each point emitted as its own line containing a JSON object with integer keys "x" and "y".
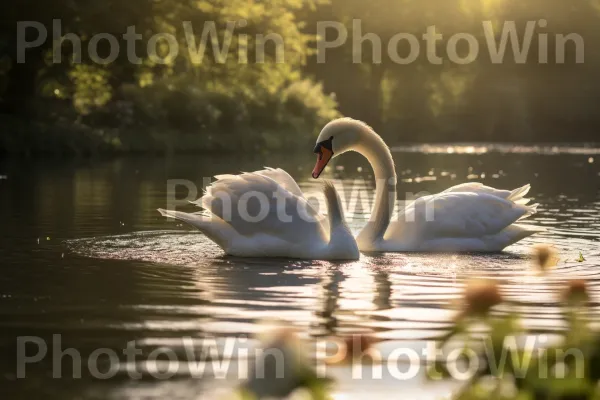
{"x": 283, "y": 179}
{"x": 517, "y": 195}
{"x": 255, "y": 203}
{"x": 459, "y": 214}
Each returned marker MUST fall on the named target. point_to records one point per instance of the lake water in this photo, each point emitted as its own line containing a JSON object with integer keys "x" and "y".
{"x": 84, "y": 254}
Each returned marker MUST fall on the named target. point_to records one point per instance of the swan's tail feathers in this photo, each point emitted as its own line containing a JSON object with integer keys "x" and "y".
{"x": 532, "y": 209}
{"x": 518, "y": 195}
{"x": 514, "y": 233}
{"x": 212, "y": 226}
{"x": 524, "y": 201}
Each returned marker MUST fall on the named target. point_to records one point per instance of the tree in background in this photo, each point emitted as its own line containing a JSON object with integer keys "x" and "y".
{"x": 202, "y": 98}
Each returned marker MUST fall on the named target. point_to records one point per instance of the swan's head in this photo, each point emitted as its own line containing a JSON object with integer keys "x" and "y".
{"x": 337, "y": 137}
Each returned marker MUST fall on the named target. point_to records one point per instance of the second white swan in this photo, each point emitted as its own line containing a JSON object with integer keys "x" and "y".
{"x": 467, "y": 217}
{"x": 265, "y": 214}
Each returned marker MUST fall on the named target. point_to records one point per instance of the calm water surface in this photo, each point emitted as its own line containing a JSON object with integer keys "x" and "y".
{"x": 84, "y": 254}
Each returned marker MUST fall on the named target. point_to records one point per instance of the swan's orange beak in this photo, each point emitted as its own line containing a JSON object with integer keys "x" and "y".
{"x": 323, "y": 157}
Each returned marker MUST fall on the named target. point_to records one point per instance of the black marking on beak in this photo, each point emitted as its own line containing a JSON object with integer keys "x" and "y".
{"x": 328, "y": 144}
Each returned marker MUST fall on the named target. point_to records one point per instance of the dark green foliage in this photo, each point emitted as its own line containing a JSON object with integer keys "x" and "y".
{"x": 182, "y": 104}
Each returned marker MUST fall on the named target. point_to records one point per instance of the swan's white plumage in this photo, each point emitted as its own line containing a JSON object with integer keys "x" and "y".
{"x": 265, "y": 214}
{"x": 283, "y": 179}
{"x": 259, "y": 194}
{"x": 466, "y": 217}
{"x": 517, "y": 195}
{"x": 458, "y": 220}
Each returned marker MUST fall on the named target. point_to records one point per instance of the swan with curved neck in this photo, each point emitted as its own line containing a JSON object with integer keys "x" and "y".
{"x": 467, "y": 217}
{"x": 233, "y": 222}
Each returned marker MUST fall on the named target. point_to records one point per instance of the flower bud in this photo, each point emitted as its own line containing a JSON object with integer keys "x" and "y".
{"x": 545, "y": 256}
{"x": 480, "y": 296}
{"x": 576, "y": 292}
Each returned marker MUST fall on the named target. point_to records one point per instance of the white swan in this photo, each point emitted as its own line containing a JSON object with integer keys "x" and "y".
{"x": 265, "y": 214}
{"x": 467, "y": 217}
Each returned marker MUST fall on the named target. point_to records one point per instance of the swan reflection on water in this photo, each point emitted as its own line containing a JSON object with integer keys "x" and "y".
{"x": 392, "y": 295}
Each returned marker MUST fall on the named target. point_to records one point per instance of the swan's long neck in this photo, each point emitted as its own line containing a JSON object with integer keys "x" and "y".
{"x": 341, "y": 241}
{"x": 378, "y": 154}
